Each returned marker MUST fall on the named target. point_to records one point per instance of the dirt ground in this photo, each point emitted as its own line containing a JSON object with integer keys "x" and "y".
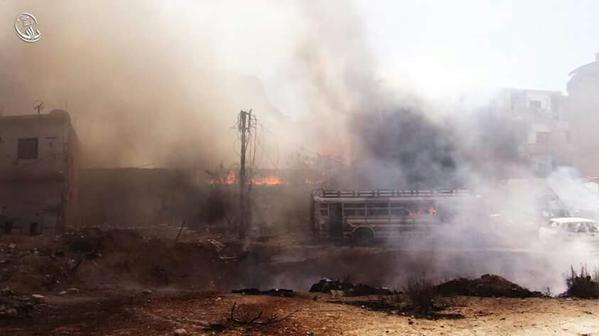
{"x": 162, "y": 313}
{"x": 125, "y": 283}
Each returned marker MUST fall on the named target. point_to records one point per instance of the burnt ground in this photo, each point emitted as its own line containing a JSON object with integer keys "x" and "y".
{"x": 130, "y": 284}
{"x": 207, "y": 314}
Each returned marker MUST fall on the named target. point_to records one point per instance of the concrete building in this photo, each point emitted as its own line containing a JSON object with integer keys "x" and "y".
{"x": 546, "y": 140}
{"x": 38, "y": 173}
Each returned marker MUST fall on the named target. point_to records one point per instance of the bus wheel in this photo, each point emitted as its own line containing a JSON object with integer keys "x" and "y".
{"x": 363, "y": 237}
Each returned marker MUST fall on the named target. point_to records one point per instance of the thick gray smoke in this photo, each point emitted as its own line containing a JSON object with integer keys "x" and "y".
{"x": 398, "y": 141}
{"x": 159, "y": 83}
{"x": 146, "y": 83}
{"x": 393, "y": 139}
{"x": 403, "y": 149}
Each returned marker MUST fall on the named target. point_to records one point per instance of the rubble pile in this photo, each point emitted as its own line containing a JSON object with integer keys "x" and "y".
{"x": 348, "y": 289}
{"x": 125, "y": 256}
{"x": 23, "y": 267}
{"x": 91, "y": 258}
{"x": 488, "y": 285}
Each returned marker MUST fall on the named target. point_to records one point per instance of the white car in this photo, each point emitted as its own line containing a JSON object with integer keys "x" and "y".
{"x": 570, "y": 228}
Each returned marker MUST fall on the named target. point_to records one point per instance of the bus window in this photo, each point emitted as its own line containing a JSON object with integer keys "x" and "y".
{"x": 377, "y": 209}
{"x": 353, "y": 205}
{"x": 400, "y": 212}
{"x": 324, "y": 209}
{"x": 354, "y": 209}
{"x": 353, "y": 212}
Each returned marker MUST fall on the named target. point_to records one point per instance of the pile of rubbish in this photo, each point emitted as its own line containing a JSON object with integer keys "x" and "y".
{"x": 94, "y": 258}
{"x": 271, "y": 292}
{"x": 346, "y": 288}
{"x": 17, "y": 306}
{"x": 488, "y": 285}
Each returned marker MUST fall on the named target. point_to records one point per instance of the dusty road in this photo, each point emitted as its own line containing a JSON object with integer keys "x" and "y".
{"x": 306, "y": 314}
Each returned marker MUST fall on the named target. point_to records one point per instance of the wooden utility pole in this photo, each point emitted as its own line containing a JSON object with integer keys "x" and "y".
{"x": 245, "y": 124}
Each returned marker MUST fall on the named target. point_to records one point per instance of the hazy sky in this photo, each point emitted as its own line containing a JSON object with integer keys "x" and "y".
{"x": 438, "y": 44}
{"x": 433, "y": 47}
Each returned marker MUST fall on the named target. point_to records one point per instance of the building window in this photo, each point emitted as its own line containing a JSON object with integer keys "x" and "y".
{"x": 27, "y": 149}
{"x": 542, "y": 138}
{"x": 535, "y": 105}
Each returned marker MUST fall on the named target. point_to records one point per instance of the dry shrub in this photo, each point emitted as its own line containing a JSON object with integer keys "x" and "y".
{"x": 421, "y": 294}
{"x": 582, "y": 284}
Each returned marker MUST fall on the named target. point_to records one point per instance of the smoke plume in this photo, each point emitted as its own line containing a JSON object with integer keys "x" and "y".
{"x": 157, "y": 83}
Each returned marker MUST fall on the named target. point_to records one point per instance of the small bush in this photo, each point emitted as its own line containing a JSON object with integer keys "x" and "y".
{"x": 421, "y": 295}
{"x": 583, "y": 284}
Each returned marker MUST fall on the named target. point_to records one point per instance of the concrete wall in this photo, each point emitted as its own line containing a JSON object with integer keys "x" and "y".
{"x": 547, "y": 140}
{"x": 42, "y": 189}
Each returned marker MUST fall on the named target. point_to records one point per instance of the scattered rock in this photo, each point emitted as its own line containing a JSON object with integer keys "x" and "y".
{"x": 180, "y": 332}
{"x": 73, "y": 290}
{"x": 217, "y": 245}
{"x": 15, "y": 306}
{"x": 11, "y": 312}
{"x": 38, "y": 297}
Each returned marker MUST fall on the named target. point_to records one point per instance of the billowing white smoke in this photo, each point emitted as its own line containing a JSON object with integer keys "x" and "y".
{"x": 576, "y": 195}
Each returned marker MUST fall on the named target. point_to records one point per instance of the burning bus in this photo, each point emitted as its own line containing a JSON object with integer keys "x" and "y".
{"x": 365, "y": 216}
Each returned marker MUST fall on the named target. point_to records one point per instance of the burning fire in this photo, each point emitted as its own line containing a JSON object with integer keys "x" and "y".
{"x": 231, "y": 179}
{"x": 266, "y": 180}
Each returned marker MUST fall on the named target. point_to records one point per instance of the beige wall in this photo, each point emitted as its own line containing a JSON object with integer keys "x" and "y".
{"x": 38, "y": 190}
{"x": 51, "y": 133}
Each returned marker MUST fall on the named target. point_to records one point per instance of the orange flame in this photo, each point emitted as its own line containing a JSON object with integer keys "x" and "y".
{"x": 267, "y": 180}
{"x": 231, "y": 179}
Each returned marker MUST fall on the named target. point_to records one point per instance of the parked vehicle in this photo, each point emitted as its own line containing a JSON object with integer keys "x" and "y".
{"x": 570, "y": 229}
{"x": 364, "y": 216}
